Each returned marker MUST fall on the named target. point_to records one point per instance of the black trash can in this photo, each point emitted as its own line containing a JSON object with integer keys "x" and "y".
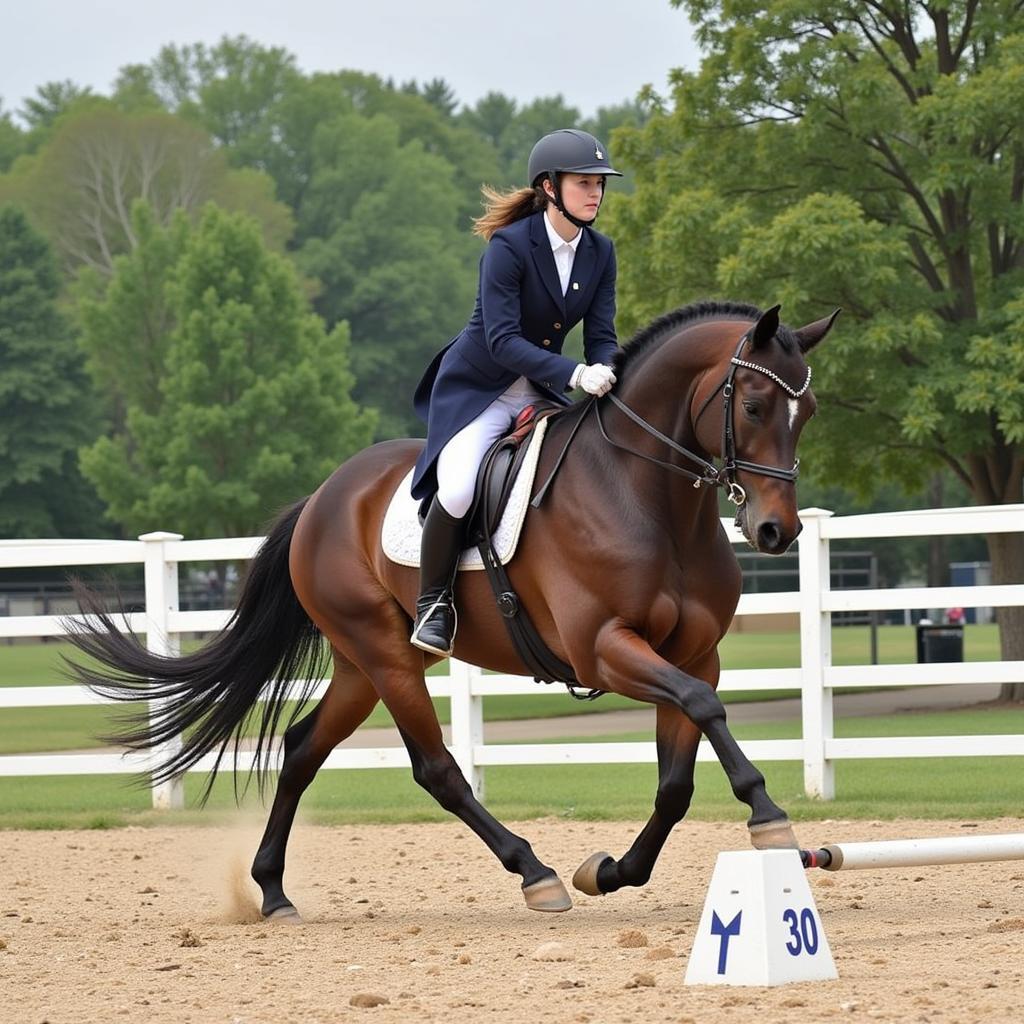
{"x": 939, "y": 643}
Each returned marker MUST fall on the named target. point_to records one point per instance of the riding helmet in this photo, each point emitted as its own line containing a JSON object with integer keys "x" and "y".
{"x": 568, "y": 149}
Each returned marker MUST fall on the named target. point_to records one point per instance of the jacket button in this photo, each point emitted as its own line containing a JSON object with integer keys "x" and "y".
{"x": 546, "y": 342}
{"x": 558, "y": 327}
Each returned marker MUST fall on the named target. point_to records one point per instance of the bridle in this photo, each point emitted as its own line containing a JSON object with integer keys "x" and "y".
{"x": 710, "y": 474}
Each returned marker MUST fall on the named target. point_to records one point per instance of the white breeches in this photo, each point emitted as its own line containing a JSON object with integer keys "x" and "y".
{"x": 460, "y": 458}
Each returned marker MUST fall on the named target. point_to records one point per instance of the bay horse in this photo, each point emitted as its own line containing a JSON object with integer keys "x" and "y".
{"x": 624, "y": 569}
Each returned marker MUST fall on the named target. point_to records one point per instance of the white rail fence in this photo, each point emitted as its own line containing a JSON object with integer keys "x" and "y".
{"x": 466, "y": 686}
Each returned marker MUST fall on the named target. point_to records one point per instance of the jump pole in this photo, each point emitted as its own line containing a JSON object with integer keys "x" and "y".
{"x": 908, "y": 853}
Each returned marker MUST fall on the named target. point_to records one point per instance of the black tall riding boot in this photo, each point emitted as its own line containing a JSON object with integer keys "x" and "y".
{"x": 440, "y": 548}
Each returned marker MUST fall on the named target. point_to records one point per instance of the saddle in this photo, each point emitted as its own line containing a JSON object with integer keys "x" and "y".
{"x": 499, "y": 469}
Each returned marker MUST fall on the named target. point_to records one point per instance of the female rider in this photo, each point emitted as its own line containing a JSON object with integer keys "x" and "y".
{"x": 544, "y": 269}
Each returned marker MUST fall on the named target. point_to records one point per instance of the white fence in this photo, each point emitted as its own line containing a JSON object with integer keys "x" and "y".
{"x": 466, "y": 686}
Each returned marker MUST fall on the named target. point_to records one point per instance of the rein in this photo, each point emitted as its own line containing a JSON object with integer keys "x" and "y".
{"x": 714, "y": 476}
{"x": 724, "y": 476}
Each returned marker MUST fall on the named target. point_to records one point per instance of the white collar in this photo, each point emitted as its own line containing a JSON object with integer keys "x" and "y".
{"x": 556, "y": 240}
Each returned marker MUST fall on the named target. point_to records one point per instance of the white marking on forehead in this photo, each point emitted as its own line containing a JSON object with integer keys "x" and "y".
{"x": 793, "y": 406}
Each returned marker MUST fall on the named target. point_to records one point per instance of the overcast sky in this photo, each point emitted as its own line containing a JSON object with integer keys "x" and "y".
{"x": 595, "y": 53}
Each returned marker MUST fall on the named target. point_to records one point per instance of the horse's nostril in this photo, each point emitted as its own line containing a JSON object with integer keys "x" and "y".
{"x": 768, "y": 536}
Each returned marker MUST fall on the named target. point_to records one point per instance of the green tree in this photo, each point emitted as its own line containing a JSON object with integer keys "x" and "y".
{"x": 127, "y": 318}
{"x": 254, "y": 407}
{"x": 80, "y": 186}
{"x": 869, "y": 156}
{"x": 438, "y": 93}
{"x": 230, "y": 89}
{"x": 12, "y": 140}
{"x": 40, "y": 112}
{"x": 44, "y": 394}
{"x": 382, "y": 240}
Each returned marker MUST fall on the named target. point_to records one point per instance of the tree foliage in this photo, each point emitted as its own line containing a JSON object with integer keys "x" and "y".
{"x": 44, "y": 396}
{"x": 254, "y": 405}
{"x": 80, "y": 185}
{"x": 870, "y": 156}
{"x": 12, "y": 140}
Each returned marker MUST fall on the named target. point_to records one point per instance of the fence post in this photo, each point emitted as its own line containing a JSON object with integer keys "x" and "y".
{"x": 467, "y": 714}
{"x": 815, "y": 655}
{"x": 161, "y": 600}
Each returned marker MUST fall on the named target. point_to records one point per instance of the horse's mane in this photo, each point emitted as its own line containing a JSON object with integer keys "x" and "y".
{"x": 654, "y": 333}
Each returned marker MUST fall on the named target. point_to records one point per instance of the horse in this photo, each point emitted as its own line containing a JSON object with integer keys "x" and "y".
{"x": 624, "y": 569}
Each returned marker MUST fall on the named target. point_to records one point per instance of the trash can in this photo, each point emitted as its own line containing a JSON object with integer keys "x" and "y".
{"x": 939, "y": 643}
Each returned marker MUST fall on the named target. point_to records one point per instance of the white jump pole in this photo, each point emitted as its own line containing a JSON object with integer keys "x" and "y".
{"x": 907, "y": 853}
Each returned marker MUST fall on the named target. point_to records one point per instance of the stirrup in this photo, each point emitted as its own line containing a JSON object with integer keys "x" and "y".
{"x": 422, "y": 620}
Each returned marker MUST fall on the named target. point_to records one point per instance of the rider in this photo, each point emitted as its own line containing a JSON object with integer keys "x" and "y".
{"x": 544, "y": 269}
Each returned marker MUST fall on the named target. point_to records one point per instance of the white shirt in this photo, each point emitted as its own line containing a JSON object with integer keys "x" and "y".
{"x": 563, "y": 251}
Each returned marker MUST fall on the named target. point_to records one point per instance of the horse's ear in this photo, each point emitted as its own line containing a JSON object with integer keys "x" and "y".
{"x": 764, "y": 330}
{"x": 811, "y": 334}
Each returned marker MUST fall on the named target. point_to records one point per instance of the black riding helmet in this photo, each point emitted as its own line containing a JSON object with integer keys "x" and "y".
{"x": 568, "y": 150}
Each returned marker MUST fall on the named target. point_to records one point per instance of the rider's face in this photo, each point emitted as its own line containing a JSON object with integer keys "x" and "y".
{"x": 582, "y": 194}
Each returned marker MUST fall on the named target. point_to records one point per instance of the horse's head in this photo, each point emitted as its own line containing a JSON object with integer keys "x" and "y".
{"x": 765, "y": 401}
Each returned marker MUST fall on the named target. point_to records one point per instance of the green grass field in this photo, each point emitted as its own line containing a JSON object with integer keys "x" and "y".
{"x": 966, "y": 787}
{"x": 971, "y": 788}
{"x": 24, "y": 730}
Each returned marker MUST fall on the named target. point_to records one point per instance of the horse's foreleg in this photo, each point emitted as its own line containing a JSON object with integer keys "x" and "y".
{"x": 344, "y": 707}
{"x": 626, "y": 664}
{"x": 677, "y": 739}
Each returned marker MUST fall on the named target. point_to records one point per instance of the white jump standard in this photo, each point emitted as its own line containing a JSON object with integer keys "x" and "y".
{"x": 907, "y": 853}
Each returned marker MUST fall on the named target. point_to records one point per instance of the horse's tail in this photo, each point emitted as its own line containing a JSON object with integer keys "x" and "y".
{"x": 208, "y": 697}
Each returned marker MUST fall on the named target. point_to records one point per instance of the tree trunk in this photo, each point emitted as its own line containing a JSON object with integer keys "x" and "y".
{"x": 938, "y": 559}
{"x": 1006, "y": 552}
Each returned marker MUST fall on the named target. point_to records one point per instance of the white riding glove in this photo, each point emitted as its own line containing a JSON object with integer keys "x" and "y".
{"x": 596, "y": 379}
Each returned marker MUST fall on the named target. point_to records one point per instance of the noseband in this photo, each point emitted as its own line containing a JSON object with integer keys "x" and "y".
{"x": 710, "y": 474}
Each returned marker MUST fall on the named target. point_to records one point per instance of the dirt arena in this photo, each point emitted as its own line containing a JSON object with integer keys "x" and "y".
{"x": 155, "y": 925}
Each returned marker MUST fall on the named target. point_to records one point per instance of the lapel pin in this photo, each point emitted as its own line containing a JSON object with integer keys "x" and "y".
{"x": 575, "y": 286}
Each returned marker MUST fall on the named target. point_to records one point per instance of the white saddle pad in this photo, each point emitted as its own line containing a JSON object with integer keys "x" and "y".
{"x": 400, "y": 534}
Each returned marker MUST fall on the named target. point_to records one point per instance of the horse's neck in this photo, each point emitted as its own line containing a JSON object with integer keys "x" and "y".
{"x": 661, "y": 390}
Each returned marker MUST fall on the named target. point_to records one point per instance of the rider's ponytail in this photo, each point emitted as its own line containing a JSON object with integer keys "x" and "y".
{"x": 504, "y": 208}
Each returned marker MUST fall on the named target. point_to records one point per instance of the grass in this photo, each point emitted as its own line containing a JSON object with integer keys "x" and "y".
{"x": 23, "y": 730}
{"x": 964, "y": 788}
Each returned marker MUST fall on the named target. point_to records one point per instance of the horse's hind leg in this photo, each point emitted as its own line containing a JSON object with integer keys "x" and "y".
{"x": 382, "y": 650}
{"x": 677, "y": 740}
{"x": 343, "y": 708}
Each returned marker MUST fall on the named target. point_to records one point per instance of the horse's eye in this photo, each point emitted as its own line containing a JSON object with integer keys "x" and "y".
{"x": 750, "y": 407}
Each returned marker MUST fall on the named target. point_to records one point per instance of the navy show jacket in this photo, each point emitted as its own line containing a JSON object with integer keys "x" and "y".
{"x": 517, "y": 329}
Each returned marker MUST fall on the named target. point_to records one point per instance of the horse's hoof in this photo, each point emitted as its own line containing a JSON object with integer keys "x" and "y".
{"x": 285, "y": 915}
{"x": 774, "y": 835}
{"x": 548, "y": 895}
{"x": 585, "y": 878}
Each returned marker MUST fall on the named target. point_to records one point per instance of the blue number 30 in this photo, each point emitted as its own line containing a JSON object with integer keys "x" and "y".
{"x": 804, "y": 932}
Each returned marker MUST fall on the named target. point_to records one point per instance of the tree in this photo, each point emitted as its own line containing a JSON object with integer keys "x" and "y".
{"x": 127, "y": 318}
{"x": 381, "y": 232}
{"x": 438, "y": 93}
{"x": 230, "y": 89}
{"x": 40, "y": 112}
{"x": 44, "y": 394}
{"x": 80, "y": 186}
{"x": 12, "y": 140}
{"x": 254, "y": 408}
{"x": 869, "y": 156}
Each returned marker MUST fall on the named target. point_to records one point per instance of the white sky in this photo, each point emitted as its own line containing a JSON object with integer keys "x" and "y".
{"x": 595, "y": 53}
